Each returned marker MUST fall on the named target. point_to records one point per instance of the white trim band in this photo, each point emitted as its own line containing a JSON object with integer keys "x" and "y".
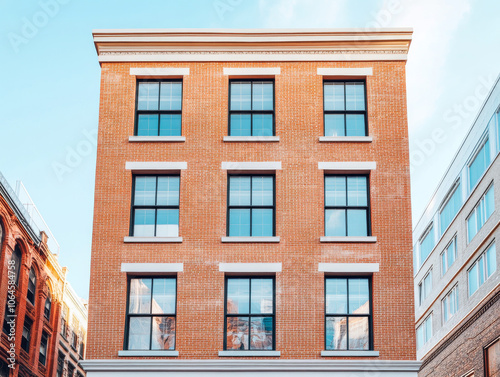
{"x": 251, "y": 138}
{"x": 250, "y": 239}
{"x": 345, "y": 71}
{"x": 155, "y": 166}
{"x": 250, "y": 353}
{"x": 256, "y": 166}
{"x": 156, "y": 139}
{"x": 252, "y": 71}
{"x": 350, "y": 353}
{"x": 167, "y": 353}
{"x": 348, "y": 268}
{"x": 152, "y": 239}
{"x": 346, "y": 139}
{"x": 131, "y": 367}
{"x": 152, "y": 267}
{"x": 348, "y": 166}
{"x": 250, "y": 267}
{"x": 367, "y": 239}
{"x": 145, "y": 72}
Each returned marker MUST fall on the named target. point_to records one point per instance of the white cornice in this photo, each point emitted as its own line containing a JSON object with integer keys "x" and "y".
{"x": 142, "y": 365}
{"x": 252, "y": 45}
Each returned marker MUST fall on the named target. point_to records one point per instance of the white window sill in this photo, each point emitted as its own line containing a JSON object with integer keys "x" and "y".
{"x": 166, "y": 353}
{"x": 152, "y": 239}
{"x": 349, "y": 239}
{"x": 250, "y": 353}
{"x": 350, "y": 353}
{"x": 162, "y": 139}
{"x": 252, "y": 138}
{"x": 346, "y": 139}
{"x": 251, "y": 239}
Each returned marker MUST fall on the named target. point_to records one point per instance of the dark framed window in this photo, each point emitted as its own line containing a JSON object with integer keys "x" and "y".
{"x": 48, "y": 307}
{"x": 251, "y": 107}
{"x": 43, "y": 348}
{"x": 60, "y": 365}
{"x": 64, "y": 328}
{"x": 26, "y": 336}
{"x": 74, "y": 340}
{"x": 250, "y": 313}
{"x": 81, "y": 352}
{"x": 155, "y": 206}
{"x": 347, "y": 205}
{"x": 492, "y": 359}
{"x": 151, "y": 313}
{"x": 345, "y": 108}
{"x": 17, "y": 258}
{"x": 32, "y": 286}
{"x": 159, "y": 108}
{"x": 71, "y": 370}
{"x": 251, "y": 208}
{"x": 348, "y": 313}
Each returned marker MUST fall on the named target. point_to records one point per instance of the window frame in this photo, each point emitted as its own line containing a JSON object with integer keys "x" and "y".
{"x": 156, "y": 207}
{"x": 46, "y": 336}
{"x": 128, "y": 315}
{"x": 251, "y": 111}
{"x": 159, "y": 112}
{"x": 481, "y": 256}
{"x": 345, "y": 112}
{"x": 494, "y": 342}
{"x": 249, "y": 315}
{"x": 250, "y": 206}
{"x": 347, "y": 315}
{"x": 428, "y": 318}
{"x": 474, "y": 211}
{"x": 445, "y": 254}
{"x": 445, "y": 300}
{"x": 47, "y": 311}
{"x": 27, "y": 340}
{"x": 421, "y": 287}
{"x": 454, "y": 189}
{"x": 60, "y": 364}
{"x": 347, "y": 207}
{"x": 30, "y": 293}
{"x": 482, "y": 144}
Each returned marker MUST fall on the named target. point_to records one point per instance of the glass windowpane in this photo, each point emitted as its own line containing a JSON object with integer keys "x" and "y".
{"x": 171, "y": 96}
{"x": 336, "y": 333}
{"x": 262, "y": 222}
{"x": 163, "y": 337}
{"x": 262, "y": 296}
{"x": 357, "y": 225}
{"x": 359, "y": 296}
{"x": 139, "y": 333}
{"x": 335, "y": 222}
{"x": 239, "y": 222}
{"x": 336, "y": 296}
{"x": 261, "y": 333}
{"x": 262, "y": 96}
{"x": 140, "y": 296}
{"x": 355, "y": 96}
{"x": 148, "y": 96}
{"x": 145, "y": 190}
{"x": 147, "y": 125}
{"x": 334, "y": 96}
{"x": 240, "y": 125}
{"x": 240, "y": 96}
{"x": 358, "y": 333}
{"x": 357, "y": 192}
{"x": 144, "y": 223}
{"x": 168, "y": 191}
{"x": 237, "y": 333}
{"x": 335, "y": 191}
{"x": 164, "y": 293}
{"x": 239, "y": 191}
{"x": 491, "y": 260}
{"x": 170, "y": 124}
{"x": 262, "y": 124}
{"x": 355, "y": 125}
{"x": 334, "y": 125}
{"x": 262, "y": 191}
{"x": 238, "y": 293}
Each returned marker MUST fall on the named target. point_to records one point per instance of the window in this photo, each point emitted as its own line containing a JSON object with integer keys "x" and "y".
{"x": 60, "y": 365}
{"x": 482, "y": 269}
{"x": 47, "y": 307}
{"x": 345, "y": 108}
{"x": 151, "y": 314}
{"x": 346, "y": 206}
{"x": 426, "y": 244}
{"x": 450, "y": 304}
{"x": 64, "y": 328}
{"x": 26, "y": 336}
{"x": 348, "y": 314}
{"x": 251, "y": 108}
{"x": 81, "y": 352}
{"x": 31, "y": 286}
{"x": 74, "y": 340}
{"x": 159, "y": 108}
{"x": 156, "y": 206}
{"x": 480, "y": 214}
{"x": 479, "y": 164}
{"x": 17, "y": 258}
{"x": 492, "y": 360}
{"x": 450, "y": 208}
{"x": 71, "y": 370}
{"x": 449, "y": 255}
{"x": 498, "y": 131}
{"x": 249, "y": 319}
{"x": 251, "y": 206}
{"x": 424, "y": 332}
{"x": 425, "y": 286}
{"x": 43, "y": 348}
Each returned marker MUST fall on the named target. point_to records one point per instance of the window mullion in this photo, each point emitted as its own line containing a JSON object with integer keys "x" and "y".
{"x": 250, "y": 314}
{"x": 347, "y": 317}
{"x": 251, "y": 205}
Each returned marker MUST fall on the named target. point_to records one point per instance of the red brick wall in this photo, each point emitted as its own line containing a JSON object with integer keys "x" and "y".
{"x": 299, "y": 209}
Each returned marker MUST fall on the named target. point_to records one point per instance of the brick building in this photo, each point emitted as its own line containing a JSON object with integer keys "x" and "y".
{"x": 41, "y": 315}
{"x": 457, "y": 278}
{"x": 252, "y": 204}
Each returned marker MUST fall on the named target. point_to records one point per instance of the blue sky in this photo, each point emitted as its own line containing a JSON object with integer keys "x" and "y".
{"x": 50, "y": 93}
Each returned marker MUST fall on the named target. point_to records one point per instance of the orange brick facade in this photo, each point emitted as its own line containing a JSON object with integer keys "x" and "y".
{"x": 300, "y": 295}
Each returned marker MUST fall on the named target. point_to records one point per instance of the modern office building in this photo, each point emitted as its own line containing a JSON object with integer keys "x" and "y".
{"x": 43, "y": 321}
{"x": 252, "y": 205}
{"x": 456, "y": 249}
